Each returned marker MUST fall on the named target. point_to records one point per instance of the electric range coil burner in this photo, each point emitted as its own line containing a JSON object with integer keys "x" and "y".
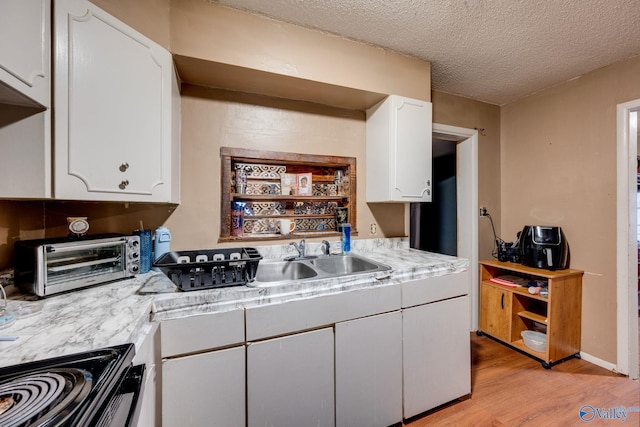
{"x": 94, "y": 388}
{"x": 43, "y": 396}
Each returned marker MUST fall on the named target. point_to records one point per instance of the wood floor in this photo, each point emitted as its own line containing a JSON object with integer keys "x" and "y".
{"x": 511, "y": 389}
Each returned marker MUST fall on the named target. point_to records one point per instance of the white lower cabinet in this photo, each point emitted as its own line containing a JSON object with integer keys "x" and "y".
{"x": 363, "y": 359}
{"x": 203, "y": 370}
{"x": 436, "y": 354}
{"x": 205, "y": 389}
{"x": 369, "y": 371}
{"x": 148, "y": 354}
{"x": 290, "y": 380}
{"x": 147, "y": 416}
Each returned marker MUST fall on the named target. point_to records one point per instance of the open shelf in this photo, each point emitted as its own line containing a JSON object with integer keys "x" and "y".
{"x": 313, "y": 214}
{"x": 507, "y": 311}
{"x": 533, "y": 316}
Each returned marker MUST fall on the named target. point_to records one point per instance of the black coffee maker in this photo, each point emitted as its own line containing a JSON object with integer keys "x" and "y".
{"x": 544, "y": 247}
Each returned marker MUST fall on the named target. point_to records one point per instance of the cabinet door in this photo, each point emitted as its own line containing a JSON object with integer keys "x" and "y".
{"x": 495, "y": 311}
{"x": 25, "y": 52}
{"x": 290, "y": 380}
{"x": 436, "y": 354}
{"x": 149, "y": 354}
{"x": 399, "y": 143}
{"x": 369, "y": 371}
{"x": 149, "y": 403}
{"x": 205, "y": 388}
{"x": 113, "y": 126}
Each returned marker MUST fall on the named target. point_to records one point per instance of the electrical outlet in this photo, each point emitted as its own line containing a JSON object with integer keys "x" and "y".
{"x": 483, "y": 211}
{"x": 373, "y": 228}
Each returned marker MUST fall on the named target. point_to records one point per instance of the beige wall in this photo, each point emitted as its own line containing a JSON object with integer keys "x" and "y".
{"x": 462, "y": 112}
{"x": 558, "y": 150}
{"x": 219, "y": 35}
{"x": 150, "y": 17}
{"x": 213, "y": 118}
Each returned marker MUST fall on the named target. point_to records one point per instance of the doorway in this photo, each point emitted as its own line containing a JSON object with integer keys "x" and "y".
{"x": 465, "y": 143}
{"x": 627, "y": 239}
{"x": 441, "y": 234}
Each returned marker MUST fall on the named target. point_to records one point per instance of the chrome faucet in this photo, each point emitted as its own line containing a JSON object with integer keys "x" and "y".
{"x": 327, "y": 247}
{"x": 299, "y": 247}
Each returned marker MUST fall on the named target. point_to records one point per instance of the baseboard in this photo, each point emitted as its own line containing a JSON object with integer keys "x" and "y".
{"x": 596, "y": 361}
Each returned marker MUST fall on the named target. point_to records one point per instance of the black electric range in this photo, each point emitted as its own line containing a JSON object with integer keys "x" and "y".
{"x": 95, "y": 388}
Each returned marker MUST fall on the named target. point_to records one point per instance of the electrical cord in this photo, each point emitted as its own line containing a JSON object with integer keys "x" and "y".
{"x": 496, "y": 240}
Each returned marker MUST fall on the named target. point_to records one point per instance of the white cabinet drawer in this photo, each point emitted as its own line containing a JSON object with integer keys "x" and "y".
{"x": 431, "y": 289}
{"x": 278, "y": 319}
{"x": 199, "y": 333}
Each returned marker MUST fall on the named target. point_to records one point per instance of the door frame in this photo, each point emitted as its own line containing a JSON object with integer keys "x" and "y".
{"x": 467, "y": 201}
{"x": 627, "y": 245}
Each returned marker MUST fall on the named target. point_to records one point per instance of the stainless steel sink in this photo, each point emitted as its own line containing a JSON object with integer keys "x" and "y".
{"x": 271, "y": 273}
{"x": 344, "y": 264}
{"x": 283, "y": 270}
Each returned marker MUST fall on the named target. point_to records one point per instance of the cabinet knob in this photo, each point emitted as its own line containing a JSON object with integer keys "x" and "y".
{"x": 123, "y": 184}
{"x": 428, "y": 183}
{"x": 123, "y": 167}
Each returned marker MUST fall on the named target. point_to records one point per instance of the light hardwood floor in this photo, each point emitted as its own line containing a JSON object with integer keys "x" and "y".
{"x": 511, "y": 389}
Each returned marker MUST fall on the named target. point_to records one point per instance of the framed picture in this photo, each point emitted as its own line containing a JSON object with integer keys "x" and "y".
{"x": 288, "y": 184}
{"x": 304, "y": 184}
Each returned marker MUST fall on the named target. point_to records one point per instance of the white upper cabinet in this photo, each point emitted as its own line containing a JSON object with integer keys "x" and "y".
{"x": 25, "y": 40}
{"x": 399, "y": 151}
{"x": 25, "y": 98}
{"x": 116, "y": 96}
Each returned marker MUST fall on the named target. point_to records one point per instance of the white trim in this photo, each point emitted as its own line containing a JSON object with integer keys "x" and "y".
{"x": 626, "y": 246}
{"x": 467, "y": 177}
{"x": 599, "y": 362}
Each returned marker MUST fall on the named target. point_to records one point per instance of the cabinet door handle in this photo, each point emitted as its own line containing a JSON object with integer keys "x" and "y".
{"x": 502, "y": 301}
{"x": 123, "y": 184}
{"x": 123, "y": 167}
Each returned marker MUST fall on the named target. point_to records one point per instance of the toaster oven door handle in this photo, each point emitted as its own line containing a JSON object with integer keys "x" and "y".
{"x": 75, "y": 247}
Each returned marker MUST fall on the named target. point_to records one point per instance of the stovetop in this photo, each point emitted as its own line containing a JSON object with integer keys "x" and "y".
{"x": 62, "y": 391}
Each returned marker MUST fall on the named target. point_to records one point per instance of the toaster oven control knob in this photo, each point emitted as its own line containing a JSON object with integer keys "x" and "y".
{"x": 134, "y": 255}
{"x": 133, "y": 268}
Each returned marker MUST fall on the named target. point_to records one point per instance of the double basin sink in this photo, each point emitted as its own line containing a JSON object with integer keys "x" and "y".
{"x": 271, "y": 273}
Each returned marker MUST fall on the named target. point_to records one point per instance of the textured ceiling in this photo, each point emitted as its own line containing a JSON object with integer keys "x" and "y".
{"x": 494, "y": 51}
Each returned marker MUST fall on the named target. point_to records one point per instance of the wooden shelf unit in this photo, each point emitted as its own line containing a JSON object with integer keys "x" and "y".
{"x": 322, "y": 169}
{"x": 507, "y": 311}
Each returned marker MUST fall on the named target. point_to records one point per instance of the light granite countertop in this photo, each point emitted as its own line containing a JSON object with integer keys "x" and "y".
{"x": 123, "y": 311}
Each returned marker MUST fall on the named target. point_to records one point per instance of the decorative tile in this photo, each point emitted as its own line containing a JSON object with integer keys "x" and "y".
{"x": 265, "y": 208}
{"x": 314, "y": 208}
{"x": 261, "y": 171}
{"x": 257, "y": 188}
{"x": 315, "y": 224}
{"x": 325, "y": 190}
{"x": 260, "y": 226}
